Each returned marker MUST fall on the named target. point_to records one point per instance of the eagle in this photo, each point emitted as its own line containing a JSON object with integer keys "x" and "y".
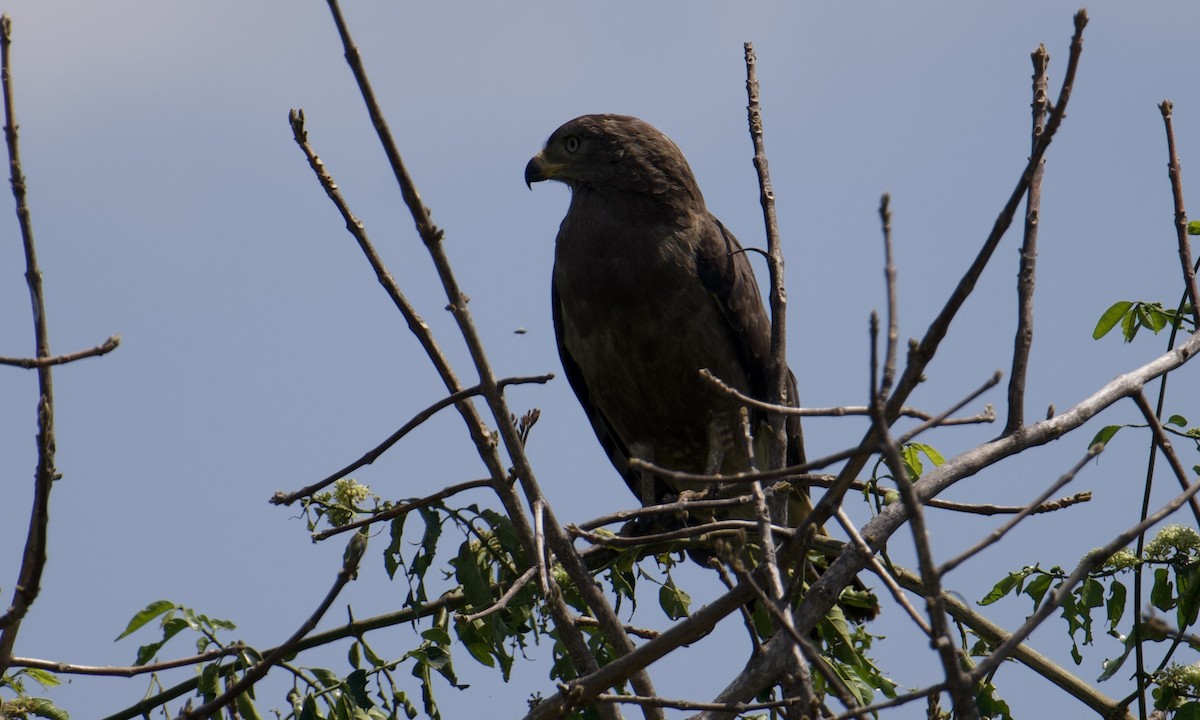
{"x": 648, "y": 289}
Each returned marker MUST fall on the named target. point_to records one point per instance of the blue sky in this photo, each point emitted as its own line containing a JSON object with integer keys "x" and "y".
{"x": 171, "y": 206}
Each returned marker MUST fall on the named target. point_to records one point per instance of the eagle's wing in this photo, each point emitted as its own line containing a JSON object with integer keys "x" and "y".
{"x": 725, "y": 271}
{"x": 649, "y": 490}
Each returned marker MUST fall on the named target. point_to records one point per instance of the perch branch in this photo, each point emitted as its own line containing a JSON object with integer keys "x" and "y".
{"x": 822, "y": 595}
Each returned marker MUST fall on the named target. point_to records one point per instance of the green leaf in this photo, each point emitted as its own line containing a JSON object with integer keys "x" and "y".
{"x": 327, "y": 678}
{"x": 356, "y": 687}
{"x": 469, "y": 635}
{"x": 151, "y": 611}
{"x": 1036, "y": 589}
{"x": 393, "y": 560}
{"x": 1106, "y": 433}
{"x": 1116, "y": 604}
{"x": 1110, "y": 318}
{"x": 44, "y": 678}
{"x": 246, "y": 709}
{"x": 43, "y": 708}
{"x": 210, "y": 683}
{"x": 1006, "y": 585}
{"x": 1187, "y": 711}
{"x": 1162, "y": 594}
{"x": 171, "y": 627}
{"x": 1193, "y": 227}
{"x": 1177, "y": 421}
{"x": 1129, "y": 326}
{"x": 674, "y": 601}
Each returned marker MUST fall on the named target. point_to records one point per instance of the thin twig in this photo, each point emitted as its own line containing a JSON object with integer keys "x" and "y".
{"x": 402, "y": 509}
{"x": 747, "y": 618}
{"x": 937, "y": 420}
{"x": 102, "y": 349}
{"x": 931, "y": 588}
{"x": 1168, "y": 450}
{"x": 504, "y": 600}
{"x": 994, "y": 536}
{"x": 1176, "y": 174}
{"x": 349, "y": 570}
{"x": 778, "y": 294}
{"x": 792, "y": 471}
{"x": 806, "y": 654}
{"x": 1090, "y": 562}
{"x": 356, "y": 628}
{"x": 672, "y": 508}
{"x": 920, "y": 354}
{"x": 644, "y": 633}
{"x": 690, "y": 705}
{"x": 893, "y": 307}
{"x": 33, "y": 557}
{"x": 823, "y": 593}
{"x": 431, "y": 236}
{"x": 281, "y": 498}
{"x": 988, "y": 414}
{"x": 880, "y": 571}
{"x": 1026, "y": 273}
{"x": 574, "y": 641}
{"x": 703, "y": 532}
{"x": 63, "y": 668}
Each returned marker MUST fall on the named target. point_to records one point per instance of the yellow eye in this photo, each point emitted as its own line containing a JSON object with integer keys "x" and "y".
{"x": 571, "y": 143}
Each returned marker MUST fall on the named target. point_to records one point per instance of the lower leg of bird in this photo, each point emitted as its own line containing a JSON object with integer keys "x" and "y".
{"x": 716, "y": 447}
{"x": 646, "y": 484}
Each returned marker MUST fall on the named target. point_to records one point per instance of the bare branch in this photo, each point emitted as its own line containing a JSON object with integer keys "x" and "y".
{"x": 1176, "y": 174}
{"x": 504, "y": 600}
{"x": 956, "y": 681}
{"x": 33, "y": 557}
{"x": 644, "y": 633}
{"x": 777, "y": 294}
{"x": 823, "y": 593}
{"x": 1030, "y": 509}
{"x": 893, "y": 308}
{"x": 922, "y": 353}
{"x": 988, "y": 414}
{"x": 281, "y": 498}
{"x": 940, "y": 418}
{"x": 402, "y": 509}
{"x": 356, "y": 628}
{"x": 1090, "y": 562}
{"x": 349, "y": 570}
{"x": 102, "y": 349}
{"x": 690, "y": 705}
{"x": 559, "y": 542}
{"x": 882, "y": 572}
{"x": 1164, "y": 444}
{"x": 1026, "y": 273}
{"x": 63, "y": 668}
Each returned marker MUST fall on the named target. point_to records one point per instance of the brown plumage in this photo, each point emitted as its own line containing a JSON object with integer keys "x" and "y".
{"x": 648, "y": 289}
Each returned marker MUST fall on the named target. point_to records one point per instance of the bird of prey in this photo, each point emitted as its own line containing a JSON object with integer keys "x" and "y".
{"x": 648, "y": 289}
